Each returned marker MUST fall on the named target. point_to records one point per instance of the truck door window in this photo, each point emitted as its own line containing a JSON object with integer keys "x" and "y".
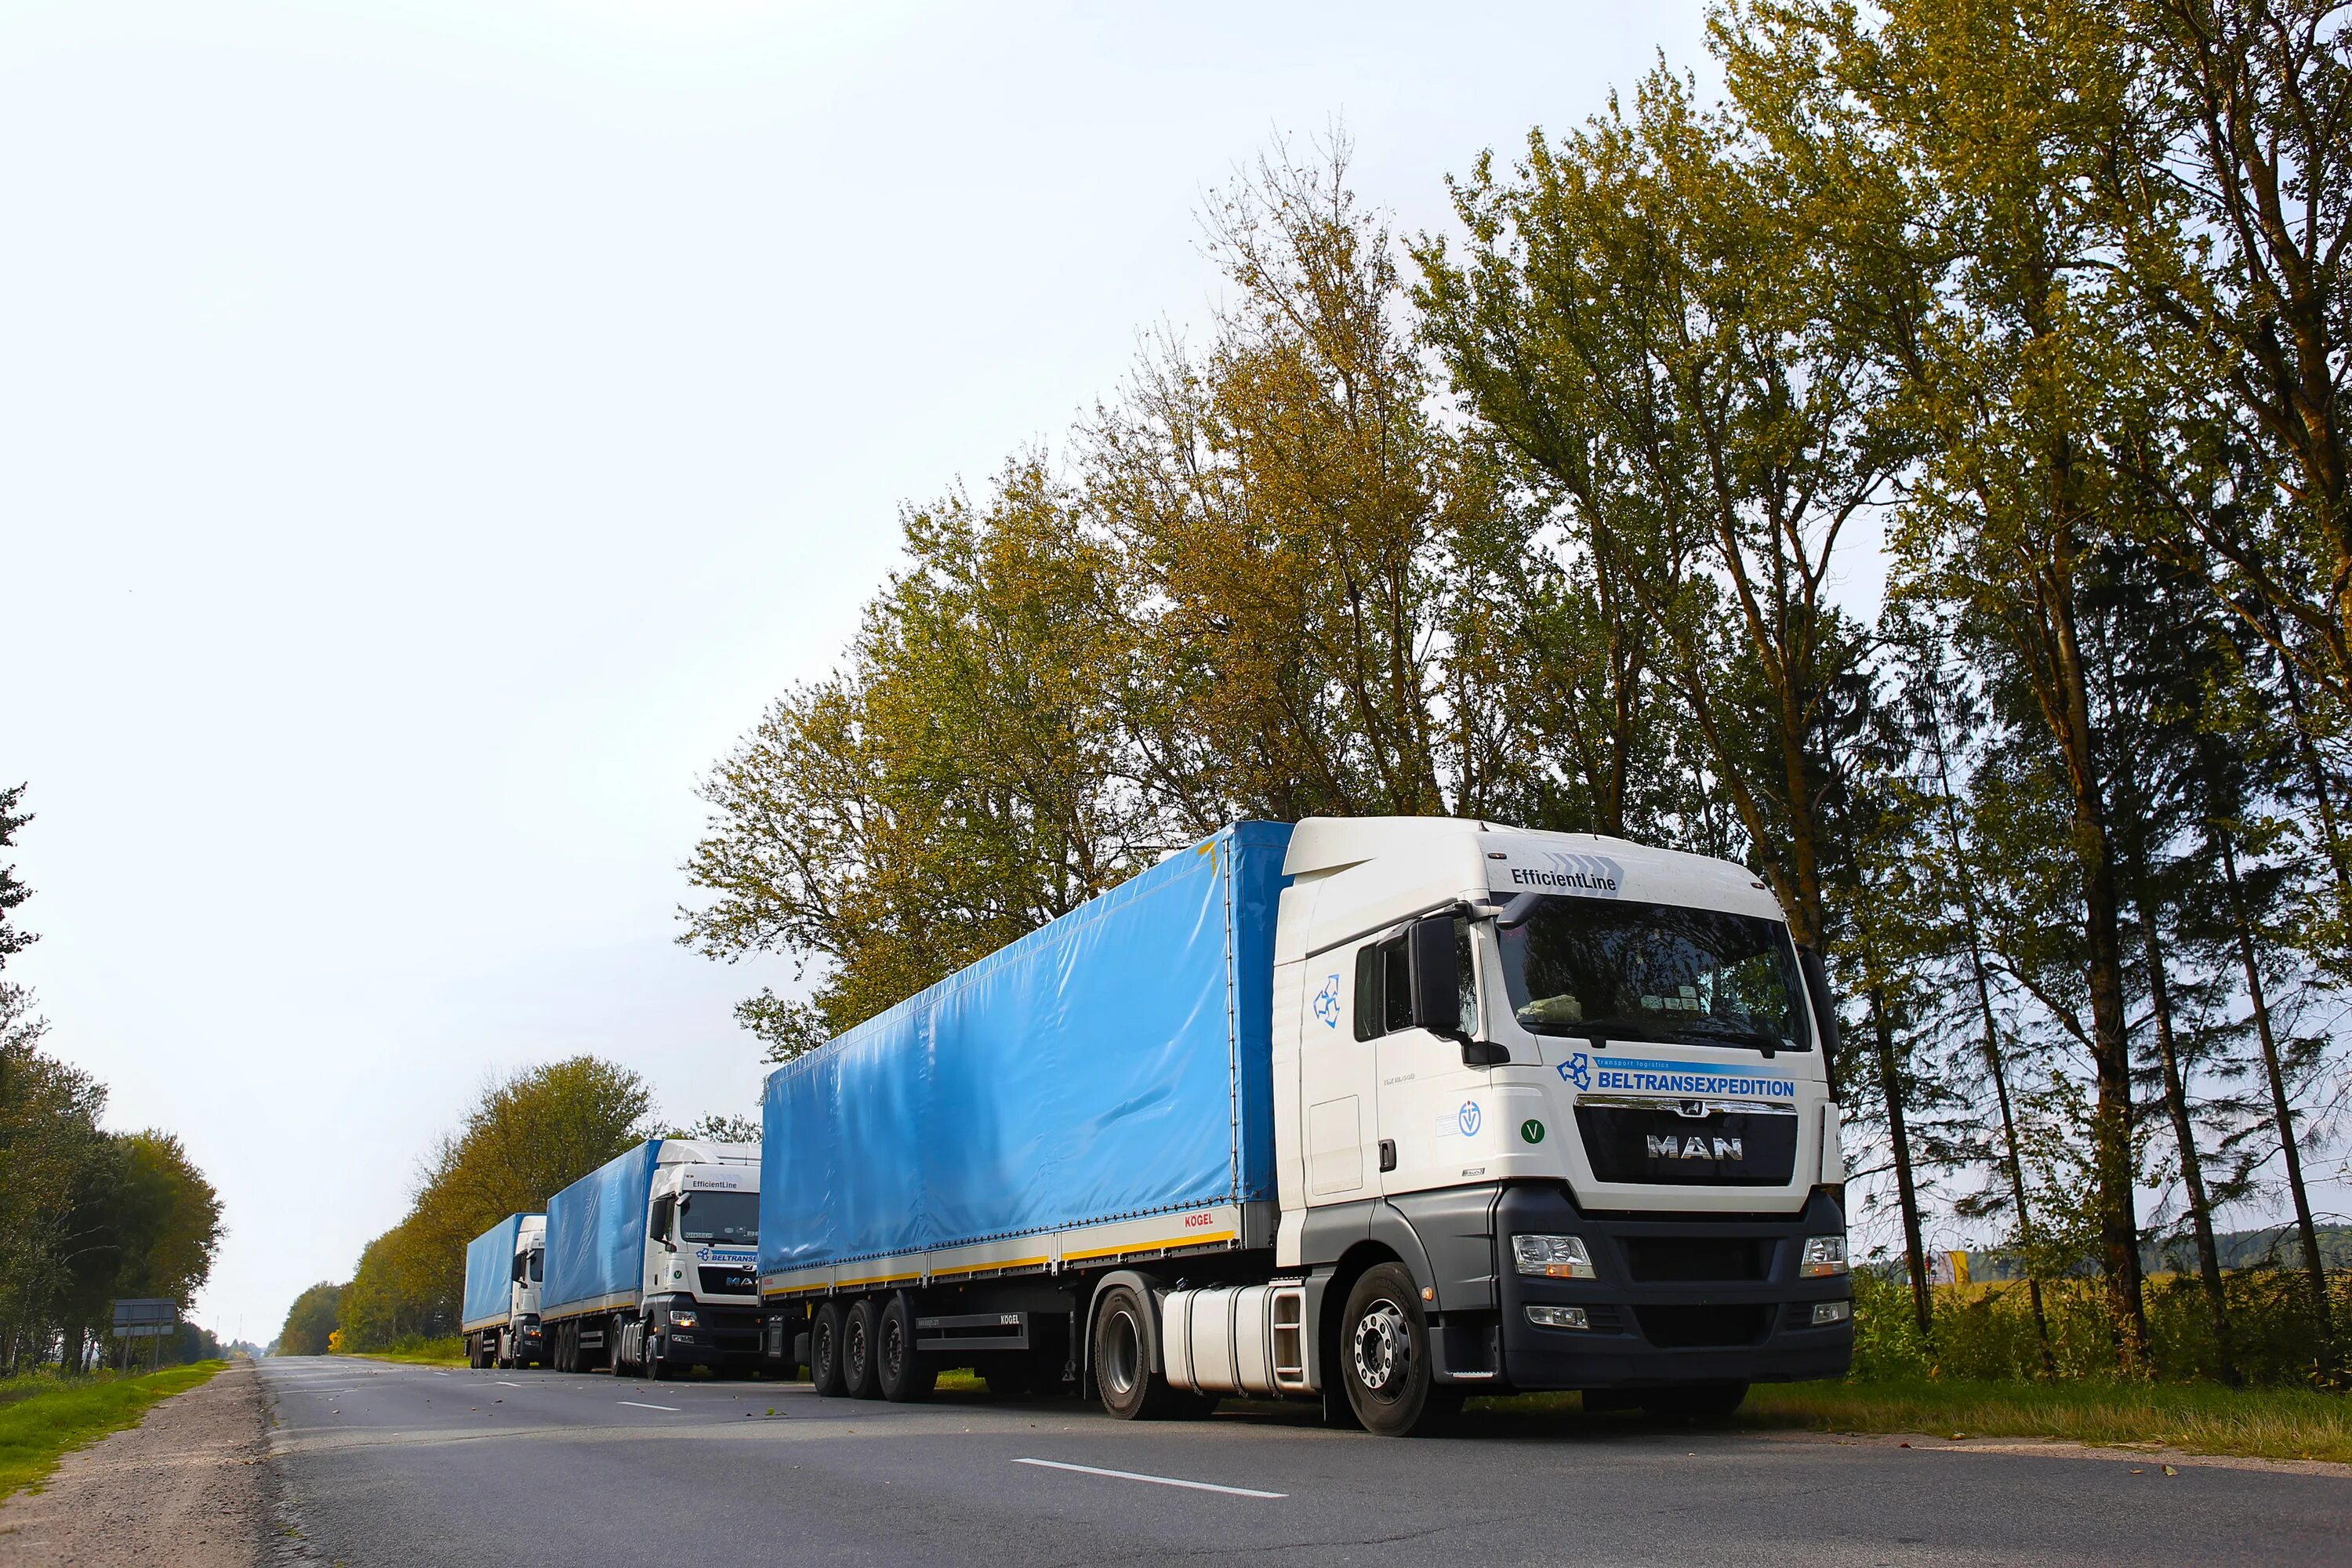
{"x": 1383, "y": 989}
{"x": 539, "y": 1265}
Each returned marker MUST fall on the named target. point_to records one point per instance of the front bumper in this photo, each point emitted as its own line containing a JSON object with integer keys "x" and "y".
{"x": 1656, "y": 1317}
{"x": 721, "y": 1335}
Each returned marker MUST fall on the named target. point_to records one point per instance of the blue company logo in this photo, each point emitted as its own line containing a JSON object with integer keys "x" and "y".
{"x": 1578, "y": 1070}
{"x": 1469, "y": 1118}
{"x": 1326, "y": 1003}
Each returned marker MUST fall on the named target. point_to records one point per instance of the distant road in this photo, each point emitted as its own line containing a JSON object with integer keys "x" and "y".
{"x": 395, "y": 1465}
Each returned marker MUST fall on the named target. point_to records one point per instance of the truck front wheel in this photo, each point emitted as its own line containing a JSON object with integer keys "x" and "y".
{"x": 1384, "y": 1356}
{"x": 825, "y": 1352}
{"x": 860, "y": 1372}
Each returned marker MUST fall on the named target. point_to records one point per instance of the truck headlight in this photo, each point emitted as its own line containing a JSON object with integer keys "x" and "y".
{"x": 678, "y": 1319}
{"x": 1824, "y": 1255}
{"x": 1827, "y": 1312}
{"x": 1553, "y": 1257}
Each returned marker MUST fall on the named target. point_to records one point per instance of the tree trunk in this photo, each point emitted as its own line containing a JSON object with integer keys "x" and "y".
{"x": 1890, "y": 1083}
{"x": 2184, "y": 1129}
{"x": 2308, "y": 1232}
{"x": 1993, "y": 1062}
{"x": 2309, "y": 755}
{"x": 2067, "y": 704}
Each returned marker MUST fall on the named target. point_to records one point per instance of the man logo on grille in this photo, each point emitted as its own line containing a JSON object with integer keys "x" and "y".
{"x": 1670, "y": 1147}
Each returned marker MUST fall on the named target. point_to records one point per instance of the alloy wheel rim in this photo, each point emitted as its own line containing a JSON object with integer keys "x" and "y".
{"x": 1382, "y": 1349}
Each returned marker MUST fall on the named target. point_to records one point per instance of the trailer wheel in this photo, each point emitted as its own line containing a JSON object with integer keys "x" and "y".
{"x": 1122, "y": 1359}
{"x": 824, "y": 1353}
{"x": 901, "y": 1373}
{"x": 860, "y": 1369}
{"x": 559, "y": 1351}
{"x": 1384, "y": 1356}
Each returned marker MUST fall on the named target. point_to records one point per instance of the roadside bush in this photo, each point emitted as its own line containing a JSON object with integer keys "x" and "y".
{"x": 1987, "y": 1331}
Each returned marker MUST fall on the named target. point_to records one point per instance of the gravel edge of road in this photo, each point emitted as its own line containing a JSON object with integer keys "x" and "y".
{"x": 187, "y": 1485}
{"x": 2065, "y": 1448}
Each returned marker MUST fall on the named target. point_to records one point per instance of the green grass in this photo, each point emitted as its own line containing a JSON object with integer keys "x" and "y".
{"x": 2269, "y": 1423}
{"x": 450, "y": 1351}
{"x": 39, "y": 1426}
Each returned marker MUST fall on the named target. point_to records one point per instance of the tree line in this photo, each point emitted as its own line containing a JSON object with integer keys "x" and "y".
{"x": 528, "y": 1136}
{"x": 87, "y": 1215}
{"x": 1562, "y": 518}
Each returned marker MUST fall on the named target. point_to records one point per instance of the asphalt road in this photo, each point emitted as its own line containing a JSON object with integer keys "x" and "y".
{"x": 394, "y": 1465}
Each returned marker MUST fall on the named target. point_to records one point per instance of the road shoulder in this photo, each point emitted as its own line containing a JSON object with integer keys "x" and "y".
{"x": 185, "y": 1486}
{"x": 2151, "y": 1456}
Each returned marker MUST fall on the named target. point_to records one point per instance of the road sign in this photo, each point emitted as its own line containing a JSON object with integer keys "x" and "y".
{"x": 146, "y": 1318}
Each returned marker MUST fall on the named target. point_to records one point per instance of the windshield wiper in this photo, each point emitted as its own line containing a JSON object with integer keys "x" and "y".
{"x": 1731, "y": 1035}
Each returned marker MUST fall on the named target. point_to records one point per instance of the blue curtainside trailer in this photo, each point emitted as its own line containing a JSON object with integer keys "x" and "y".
{"x": 490, "y": 1274}
{"x": 1102, "y": 1084}
{"x": 596, "y": 1235}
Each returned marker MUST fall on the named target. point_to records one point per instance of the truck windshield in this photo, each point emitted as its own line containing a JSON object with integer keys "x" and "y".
{"x": 730, "y": 1220}
{"x": 1653, "y": 972}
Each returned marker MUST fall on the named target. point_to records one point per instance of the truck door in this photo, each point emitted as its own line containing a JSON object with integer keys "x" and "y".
{"x": 1338, "y": 1093}
{"x": 1437, "y": 1116}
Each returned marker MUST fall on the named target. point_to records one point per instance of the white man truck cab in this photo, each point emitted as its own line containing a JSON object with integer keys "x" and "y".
{"x": 1577, "y": 1086}
{"x": 652, "y": 1261}
{"x": 505, "y": 1267}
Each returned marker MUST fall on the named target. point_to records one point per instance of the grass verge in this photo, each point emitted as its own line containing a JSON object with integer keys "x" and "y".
{"x": 39, "y": 1428}
{"x": 2264, "y": 1424}
{"x": 450, "y": 1351}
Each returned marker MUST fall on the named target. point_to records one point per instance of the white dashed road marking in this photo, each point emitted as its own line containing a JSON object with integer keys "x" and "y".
{"x": 1155, "y": 1481}
{"x": 640, "y": 1404}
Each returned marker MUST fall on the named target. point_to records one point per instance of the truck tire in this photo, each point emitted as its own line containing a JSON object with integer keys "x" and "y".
{"x": 824, "y": 1353}
{"x": 903, "y": 1373}
{"x": 1121, "y": 1353}
{"x": 860, "y": 1370}
{"x": 613, "y": 1342}
{"x": 1701, "y": 1402}
{"x": 1384, "y": 1356}
{"x": 558, "y": 1347}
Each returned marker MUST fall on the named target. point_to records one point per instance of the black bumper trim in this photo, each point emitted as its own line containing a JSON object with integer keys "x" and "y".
{"x": 1774, "y": 1311}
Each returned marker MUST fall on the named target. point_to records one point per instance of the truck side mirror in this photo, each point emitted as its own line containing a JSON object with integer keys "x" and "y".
{"x": 1434, "y": 950}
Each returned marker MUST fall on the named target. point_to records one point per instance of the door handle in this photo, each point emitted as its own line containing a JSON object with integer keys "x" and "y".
{"x": 1387, "y": 1153}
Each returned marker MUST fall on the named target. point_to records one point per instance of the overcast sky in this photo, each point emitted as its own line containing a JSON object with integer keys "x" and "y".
{"x": 430, "y": 432}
